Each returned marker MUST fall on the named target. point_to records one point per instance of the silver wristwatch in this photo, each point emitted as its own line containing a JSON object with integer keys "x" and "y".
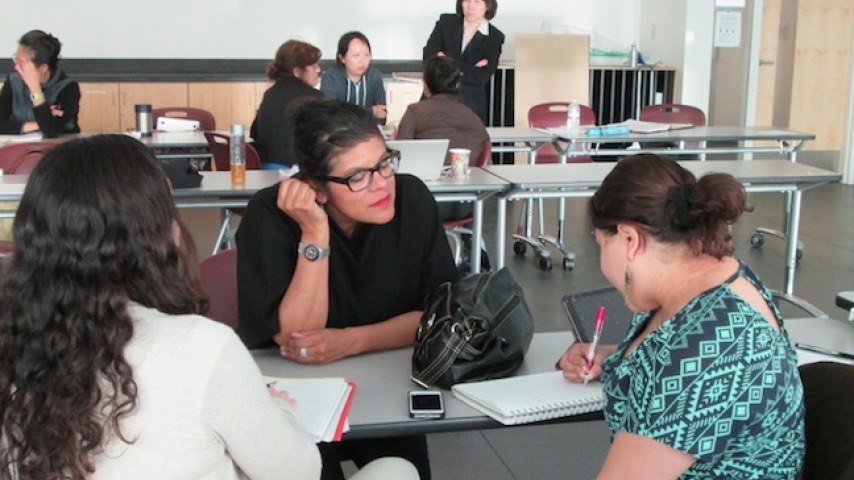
{"x": 312, "y": 252}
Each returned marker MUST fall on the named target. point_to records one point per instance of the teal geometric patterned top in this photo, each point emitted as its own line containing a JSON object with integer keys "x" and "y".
{"x": 716, "y": 381}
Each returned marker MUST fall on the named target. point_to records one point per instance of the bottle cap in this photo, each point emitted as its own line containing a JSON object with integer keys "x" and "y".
{"x": 237, "y": 129}
{"x": 142, "y": 107}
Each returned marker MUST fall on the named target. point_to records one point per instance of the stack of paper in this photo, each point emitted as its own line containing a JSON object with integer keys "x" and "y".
{"x": 323, "y": 404}
{"x": 637, "y": 126}
{"x": 530, "y": 398}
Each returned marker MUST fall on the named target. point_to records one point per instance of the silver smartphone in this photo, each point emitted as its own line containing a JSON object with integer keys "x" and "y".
{"x": 426, "y": 404}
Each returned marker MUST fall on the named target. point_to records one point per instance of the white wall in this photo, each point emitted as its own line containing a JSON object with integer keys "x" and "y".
{"x": 253, "y": 29}
{"x": 697, "y": 60}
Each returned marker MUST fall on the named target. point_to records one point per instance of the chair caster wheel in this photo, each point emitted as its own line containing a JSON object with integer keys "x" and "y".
{"x": 568, "y": 264}
{"x": 519, "y": 248}
{"x": 545, "y": 264}
{"x": 757, "y": 240}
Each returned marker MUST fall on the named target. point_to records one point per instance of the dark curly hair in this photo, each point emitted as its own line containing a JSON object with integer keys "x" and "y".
{"x": 670, "y": 204}
{"x": 324, "y": 129}
{"x": 93, "y": 232}
{"x": 291, "y": 55}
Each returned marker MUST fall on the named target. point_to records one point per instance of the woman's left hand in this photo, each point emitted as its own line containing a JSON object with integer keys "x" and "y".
{"x": 317, "y": 347}
{"x": 482, "y": 63}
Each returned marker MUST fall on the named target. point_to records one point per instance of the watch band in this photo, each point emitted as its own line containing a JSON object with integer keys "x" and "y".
{"x": 36, "y": 97}
{"x": 312, "y": 252}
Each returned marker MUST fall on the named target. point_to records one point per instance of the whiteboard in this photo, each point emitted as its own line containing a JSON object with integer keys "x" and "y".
{"x": 253, "y": 29}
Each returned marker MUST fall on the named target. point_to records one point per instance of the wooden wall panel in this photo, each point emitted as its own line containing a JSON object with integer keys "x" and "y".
{"x": 768, "y": 67}
{"x": 550, "y": 68}
{"x": 821, "y": 75}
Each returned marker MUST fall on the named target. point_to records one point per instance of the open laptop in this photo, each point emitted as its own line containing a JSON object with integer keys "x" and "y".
{"x": 422, "y": 158}
{"x": 581, "y": 309}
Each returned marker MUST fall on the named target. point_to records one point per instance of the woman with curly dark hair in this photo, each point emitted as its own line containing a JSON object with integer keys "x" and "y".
{"x": 107, "y": 370}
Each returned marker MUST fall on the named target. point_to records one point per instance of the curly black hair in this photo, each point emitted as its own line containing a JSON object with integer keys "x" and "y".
{"x": 95, "y": 230}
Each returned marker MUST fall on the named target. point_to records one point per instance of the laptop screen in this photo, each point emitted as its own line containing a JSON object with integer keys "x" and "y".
{"x": 422, "y": 158}
{"x": 581, "y": 309}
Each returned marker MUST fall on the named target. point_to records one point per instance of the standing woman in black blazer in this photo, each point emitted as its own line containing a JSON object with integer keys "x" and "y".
{"x": 474, "y": 43}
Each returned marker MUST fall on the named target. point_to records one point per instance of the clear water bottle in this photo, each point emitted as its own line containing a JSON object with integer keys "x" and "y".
{"x": 237, "y": 154}
{"x": 573, "y": 117}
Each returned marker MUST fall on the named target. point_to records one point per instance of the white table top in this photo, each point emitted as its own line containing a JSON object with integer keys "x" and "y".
{"x": 519, "y": 134}
{"x": 698, "y": 134}
{"x": 591, "y": 175}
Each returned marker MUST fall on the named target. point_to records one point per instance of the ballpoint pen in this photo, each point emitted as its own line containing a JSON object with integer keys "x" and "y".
{"x": 591, "y": 351}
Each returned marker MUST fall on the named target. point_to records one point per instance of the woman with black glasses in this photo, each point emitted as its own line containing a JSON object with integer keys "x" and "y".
{"x": 339, "y": 260}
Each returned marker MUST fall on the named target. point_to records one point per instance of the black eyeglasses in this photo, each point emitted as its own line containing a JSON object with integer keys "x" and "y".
{"x": 362, "y": 178}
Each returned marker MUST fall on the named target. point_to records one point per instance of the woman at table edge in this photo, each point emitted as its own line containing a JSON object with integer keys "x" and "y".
{"x": 39, "y": 96}
{"x": 705, "y": 322}
{"x": 339, "y": 260}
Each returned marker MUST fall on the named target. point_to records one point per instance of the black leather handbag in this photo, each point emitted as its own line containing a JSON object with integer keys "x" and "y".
{"x": 476, "y": 329}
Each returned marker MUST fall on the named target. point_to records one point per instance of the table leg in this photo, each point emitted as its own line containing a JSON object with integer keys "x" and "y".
{"x": 792, "y": 241}
{"x": 477, "y": 234}
{"x": 501, "y": 225}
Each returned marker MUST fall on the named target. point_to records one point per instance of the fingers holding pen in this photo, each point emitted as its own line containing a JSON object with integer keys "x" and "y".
{"x": 575, "y": 365}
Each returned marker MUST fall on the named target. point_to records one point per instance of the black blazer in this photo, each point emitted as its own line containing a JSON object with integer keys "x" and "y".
{"x": 447, "y": 37}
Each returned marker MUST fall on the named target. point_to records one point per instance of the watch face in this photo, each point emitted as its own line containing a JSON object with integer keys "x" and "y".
{"x": 311, "y": 252}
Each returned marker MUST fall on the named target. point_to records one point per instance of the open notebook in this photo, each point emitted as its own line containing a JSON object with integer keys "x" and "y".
{"x": 323, "y": 404}
{"x": 530, "y": 398}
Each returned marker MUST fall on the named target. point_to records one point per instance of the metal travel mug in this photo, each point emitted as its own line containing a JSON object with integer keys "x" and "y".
{"x": 143, "y": 119}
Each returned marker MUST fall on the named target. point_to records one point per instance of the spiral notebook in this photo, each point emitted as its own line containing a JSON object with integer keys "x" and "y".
{"x": 530, "y": 398}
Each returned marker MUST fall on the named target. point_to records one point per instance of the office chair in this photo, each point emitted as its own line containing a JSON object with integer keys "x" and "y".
{"x": 219, "y": 147}
{"x": 457, "y": 229}
{"x": 206, "y": 119}
{"x": 549, "y": 115}
{"x": 19, "y": 159}
{"x": 219, "y": 279}
{"x": 674, "y": 113}
{"x": 829, "y": 420}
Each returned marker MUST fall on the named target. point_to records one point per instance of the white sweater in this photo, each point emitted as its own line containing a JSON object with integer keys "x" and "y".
{"x": 203, "y": 410}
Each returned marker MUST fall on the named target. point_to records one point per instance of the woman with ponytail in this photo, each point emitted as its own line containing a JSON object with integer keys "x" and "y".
{"x": 705, "y": 383}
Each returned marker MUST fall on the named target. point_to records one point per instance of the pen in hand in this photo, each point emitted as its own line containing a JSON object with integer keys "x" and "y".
{"x": 591, "y": 351}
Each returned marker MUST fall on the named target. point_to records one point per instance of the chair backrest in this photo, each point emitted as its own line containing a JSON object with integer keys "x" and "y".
{"x": 485, "y": 157}
{"x": 829, "y": 420}
{"x": 21, "y": 158}
{"x": 219, "y": 143}
{"x": 219, "y": 278}
{"x": 205, "y": 118}
{"x": 673, "y": 113}
{"x": 553, "y": 114}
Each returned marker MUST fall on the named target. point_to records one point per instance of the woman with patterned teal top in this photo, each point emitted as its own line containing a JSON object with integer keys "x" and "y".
{"x": 705, "y": 383}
